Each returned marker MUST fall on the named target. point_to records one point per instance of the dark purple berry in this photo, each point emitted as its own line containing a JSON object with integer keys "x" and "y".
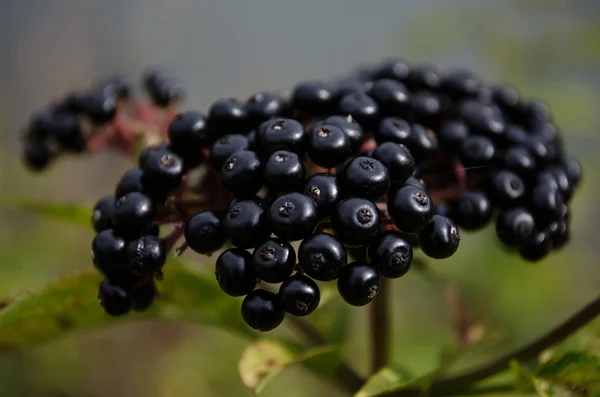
{"x": 246, "y": 224}
{"x": 242, "y": 174}
{"x": 261, "y": 310}
{"x": 439, "y": 239}
{"x": 299, "y": 295}
{"x": 101, "y": 214}
{"x": 284, "y": 172}
{"x": 235, "y": 273}
{"x": 274, "y": 260}
{"x": 358, "y": 283}
{"x": 322, "y": 256}
{"x": 204, "y": 232}
{"x": 390, "y": 254}
{"x": 410, "y": 208}
{"x": 293, "y": 216}
{"x": 355, "y": 221}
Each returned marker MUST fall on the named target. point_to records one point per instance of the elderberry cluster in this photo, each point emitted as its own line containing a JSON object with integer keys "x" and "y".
{"x": 72, "y": 123}
{"x": 373, "y": 166}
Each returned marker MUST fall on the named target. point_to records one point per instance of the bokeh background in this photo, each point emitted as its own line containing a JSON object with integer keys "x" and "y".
{"x": 550, "y": 49}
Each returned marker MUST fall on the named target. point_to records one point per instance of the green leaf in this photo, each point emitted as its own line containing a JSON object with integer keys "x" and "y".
{"x": 265, "y": 358}
{"x": 76, "y": 214}
{"x": 383, "y": 381}
{"x": 70, "y": 304}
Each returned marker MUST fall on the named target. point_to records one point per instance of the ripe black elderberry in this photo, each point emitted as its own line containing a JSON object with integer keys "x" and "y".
{"x": 144, "y": 296}
{"x": 263, "y": 106}
{"x": 114, "y": 299}
{"x": 364, "y": 177}
{"x": 225, "y": 147}
{"x": 188, "y": 135}
{"x": 507, "y": 189}
{"x": 281, "y": 134}
{"x": 204, "y": 232}
{"x": 358, "y": 283}
{"x": 262, "y": 311}
{"x": 108, "y": 253}
{"x": 410, "y": 208}
{"x": 440, "y": 238}
{"x": 539, "y": 246}
{"x": 355, "y": 221}
{"x": 101, "y": 214}
{"x": 37, "y": 155}
{"x": 227, "y": 116}
{"x": 322, "y": 256}
{"x": 515, "y": 227}
{"x": 452, "y": 134}
{"x": 163, "y": 169}
{"x": 299, "y": 295}
{"x": 390, "y": 254}
{"x": 422, "y": 143}
{"x": 293, "y": 216}
{"x": 235, "y": 272}
{"x": 459, "y": 84}
{"x": 351, "y": 129}
{"x": 477, "y": 151}
{"x": 312, "y": 98}
{"x": 246, "y": 224}
{"x": 362, "y": 108}
{"x": 133, "y": 213}
{"x": 328, "y": 146}
{"x": 163, "y": 88}
{"x": 391, "y": 96}
{"x": 393, "y": 129}
{"x": 472, "y": 210}
{"x": 324, "y": 190}
{"x": 274, "y": 260}
{"x": 397, "y": 159}
{"x": 145, "y": 255}
{"x": 242, "y": 174}
{"x": 284, "y": 172}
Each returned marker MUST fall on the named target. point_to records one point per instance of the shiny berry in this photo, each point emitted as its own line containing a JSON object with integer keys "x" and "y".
{"x": 101, "y": 214}
{"x": 422, "y": 143}
{"x": 108, "y": 253}
{"x": 364, "y": 177}
{"x": 391, "y": 96}
{"x": 477, "y": 151}
{"x": 362, "y": 108}
{"x": 242, "y": 174}
{"x": 424, "y": 77}
{"x": 506, "y": 189}
{"x": 538, "y": 247}
{"x": 188, "y": 135}
{"x": 390, "y": 254}
{"x": 397, "y": 159}
{"x": 225, "y": 147}
{"x": 274, "y": 260}
{"x": 393, "y": 129}
{"x": 322, "y": 256}
{"x": 227, "y": 116}
{"x": 144, "y": 296}
{"x": 37, "y": 155}
{"x": 520, "y": 160}
{"x": 358, "y": 283}
{"x": 351, "y": 129}
{"x": 395, "y": 68}
{"x": 355, "y": 221}
{"x": 482, "y": 119}
{"x": 426, "y": 109}
{"x": 472, "y": 210}
{"x": 163, "y": 169}
{"x": 163, "y": 89}
{"x": 204, "y": 232}
{"x": 284, "y": 172}
{"x": 114, "y": 300}
{"x": 546, "y": 204}
{"x": 410, "y": 208}
{"x": 439, "y": 239}
{"x": 328, "y": 146}
{"x": 261, "y": 310}
{"x": 235, "y": 273}
{"x": 452, "y": 135}
{"x": 145, "y": 255}
{"x": 299, "y": 295}
{"x": 312, "y": 98}
{"x": 133, "y": 213}
{"x": 324, "y": 190}
{"x": 460, "y": 84}
{"x": 263, "y": 106}
{"x": 281, "y": 134}
{"x": 100, "y": 107}
{"x": 515, "y": 227}
{"x": 246, "y": 224}
{"x": 67, "y": 132}
{"x": 293, "y": 216}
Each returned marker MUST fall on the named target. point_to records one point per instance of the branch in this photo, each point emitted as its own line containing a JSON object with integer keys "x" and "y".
{"x": 350, "y": 379}
{"x": 380, "y": 327}
{"x": 463, "y": 382}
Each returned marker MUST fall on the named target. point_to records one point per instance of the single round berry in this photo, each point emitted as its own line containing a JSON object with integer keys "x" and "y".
{"x": 427, "y": 109}
{"x": 543, "y": 152}
{"x": 246, "y": 224}
{"x": 505, "y": 96}
{"x": 133, "y": 213}
{"x": 472, "y": 211}
{"x": 539, "y": 246}
{"x": 364, "y": 177}
{"x": 351, "y": 129}
{"x": 477, "y": 151}
{"x": 358, "y": 283}
{"x": 188, "y": 135}
{"x": 225, "y": 147}
{"x": 261, "y": 310}
{"x": 560, "y": 233}
{"x": 391, "y": 96}
{"x": 100, "y": 107}
{"x": 312, "y": 98}
{"x": 163, "y": 169}
{"x": 355, "y": 221}
{"x": 460, "y": 84}
{"x": 204, "y": 232}
{"x": 284, "y": 172}
{"x": 349, "y": 86}
{"x": 410, "y": 208}
{"x": 281, "y": 134}
{"x": 227, "y": 116}
{"x": 397, "y": 160}
{"x": 235, "y": 273}
{"x": 573, "y": 168}
{"x": 422, "y": 143}
{"x": 293, "y": 216}
{"x": 424, "y": 77}
{"x": 563, "y": 182}
{"x": 274, "y": 260}
{"x": 108, "y": 253}
{"x": 482, "y": 119}
{"x": 324, "y": 190}
{"x": 299, "y": 295}
{"x": 242, "y": 174}
{"x": 328, "y": 146}
{"x": 515, "y": 227}
{"x": 392, "y": 129}
{"x": 150, "y": 151}
{"x": 546, "y": 204}
{"x": 134, "y": 180}
{"x": 452, "y": 135}
{"x": 390, "y": 254}
{"x": 263, "y": 106}
{"x": 322, "y": 256}
{"x": 440, "y": 238}
{"x": 117, "y": 86}
{"x": 37, "y": 155}
{"x": 514, "y": 135}
{"x": 145, "y": 255}
{"x": 144, "y": 296}
{"x": 101, "y": 214}
{"x": 114, "y": 300}
{"x": 519, "y": 160}
{"x": 362, "y": 108}
{"x": 67, "y": 132}
{"x": 395, "y": 68}
{"x": 41, "y": 125}
{"x": 163, "y": 88}
{"x": 506, "y": 189}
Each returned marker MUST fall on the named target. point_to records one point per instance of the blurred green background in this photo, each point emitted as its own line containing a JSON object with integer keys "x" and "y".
{"x": 549, "y": 49}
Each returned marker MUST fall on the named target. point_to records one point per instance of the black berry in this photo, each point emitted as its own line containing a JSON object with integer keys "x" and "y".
{"x": 410, "y": 208}
{"x": 515, "y": 227}
{"x": 274, "y": 260}
{"x": 242, "y": 173}
{"x": 204, "y": 232}
{"x": 235, "y": 273}
{"x": 133, "y": 213}
{"x": 355, "y": 221}
{"x": 328, "y": 146}
{"x": 322, "y": 256}
{"x": 358, "y": 283}
{"x": 440, "y": 238}
{"x": 281, "y": 134}
{"x": 225, "y": 147}
{"x": 293, "y": 216}
{"x": 102, "y": 212}
{"x": 472, "y": 210}
{"x": 299, "y": 295}
{"x": 108, "y": 253}
{"x": 284, "y": 172}
{"x": 114, "y": 300}
{"x": 364, "y": 177}
{"x": 246, "y": 224}
{"x": 324, "y": 190}
{"x": 390, "y": 254}
{"x": 362, "y": 108}
{"x": 261, "y": 310}
{"x": 145, "y": 255}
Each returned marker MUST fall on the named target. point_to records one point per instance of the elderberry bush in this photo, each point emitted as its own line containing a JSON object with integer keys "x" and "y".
{"x": 337, "y": 182}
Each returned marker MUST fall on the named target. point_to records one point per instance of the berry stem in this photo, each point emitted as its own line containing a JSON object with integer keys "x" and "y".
{"x": 348, "y": 377}
{"x": 380, "y": 327}
{"x": 460, "y": 383}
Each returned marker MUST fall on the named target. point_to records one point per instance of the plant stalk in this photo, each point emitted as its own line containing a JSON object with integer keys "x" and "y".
{"x": 380, "y": 327}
